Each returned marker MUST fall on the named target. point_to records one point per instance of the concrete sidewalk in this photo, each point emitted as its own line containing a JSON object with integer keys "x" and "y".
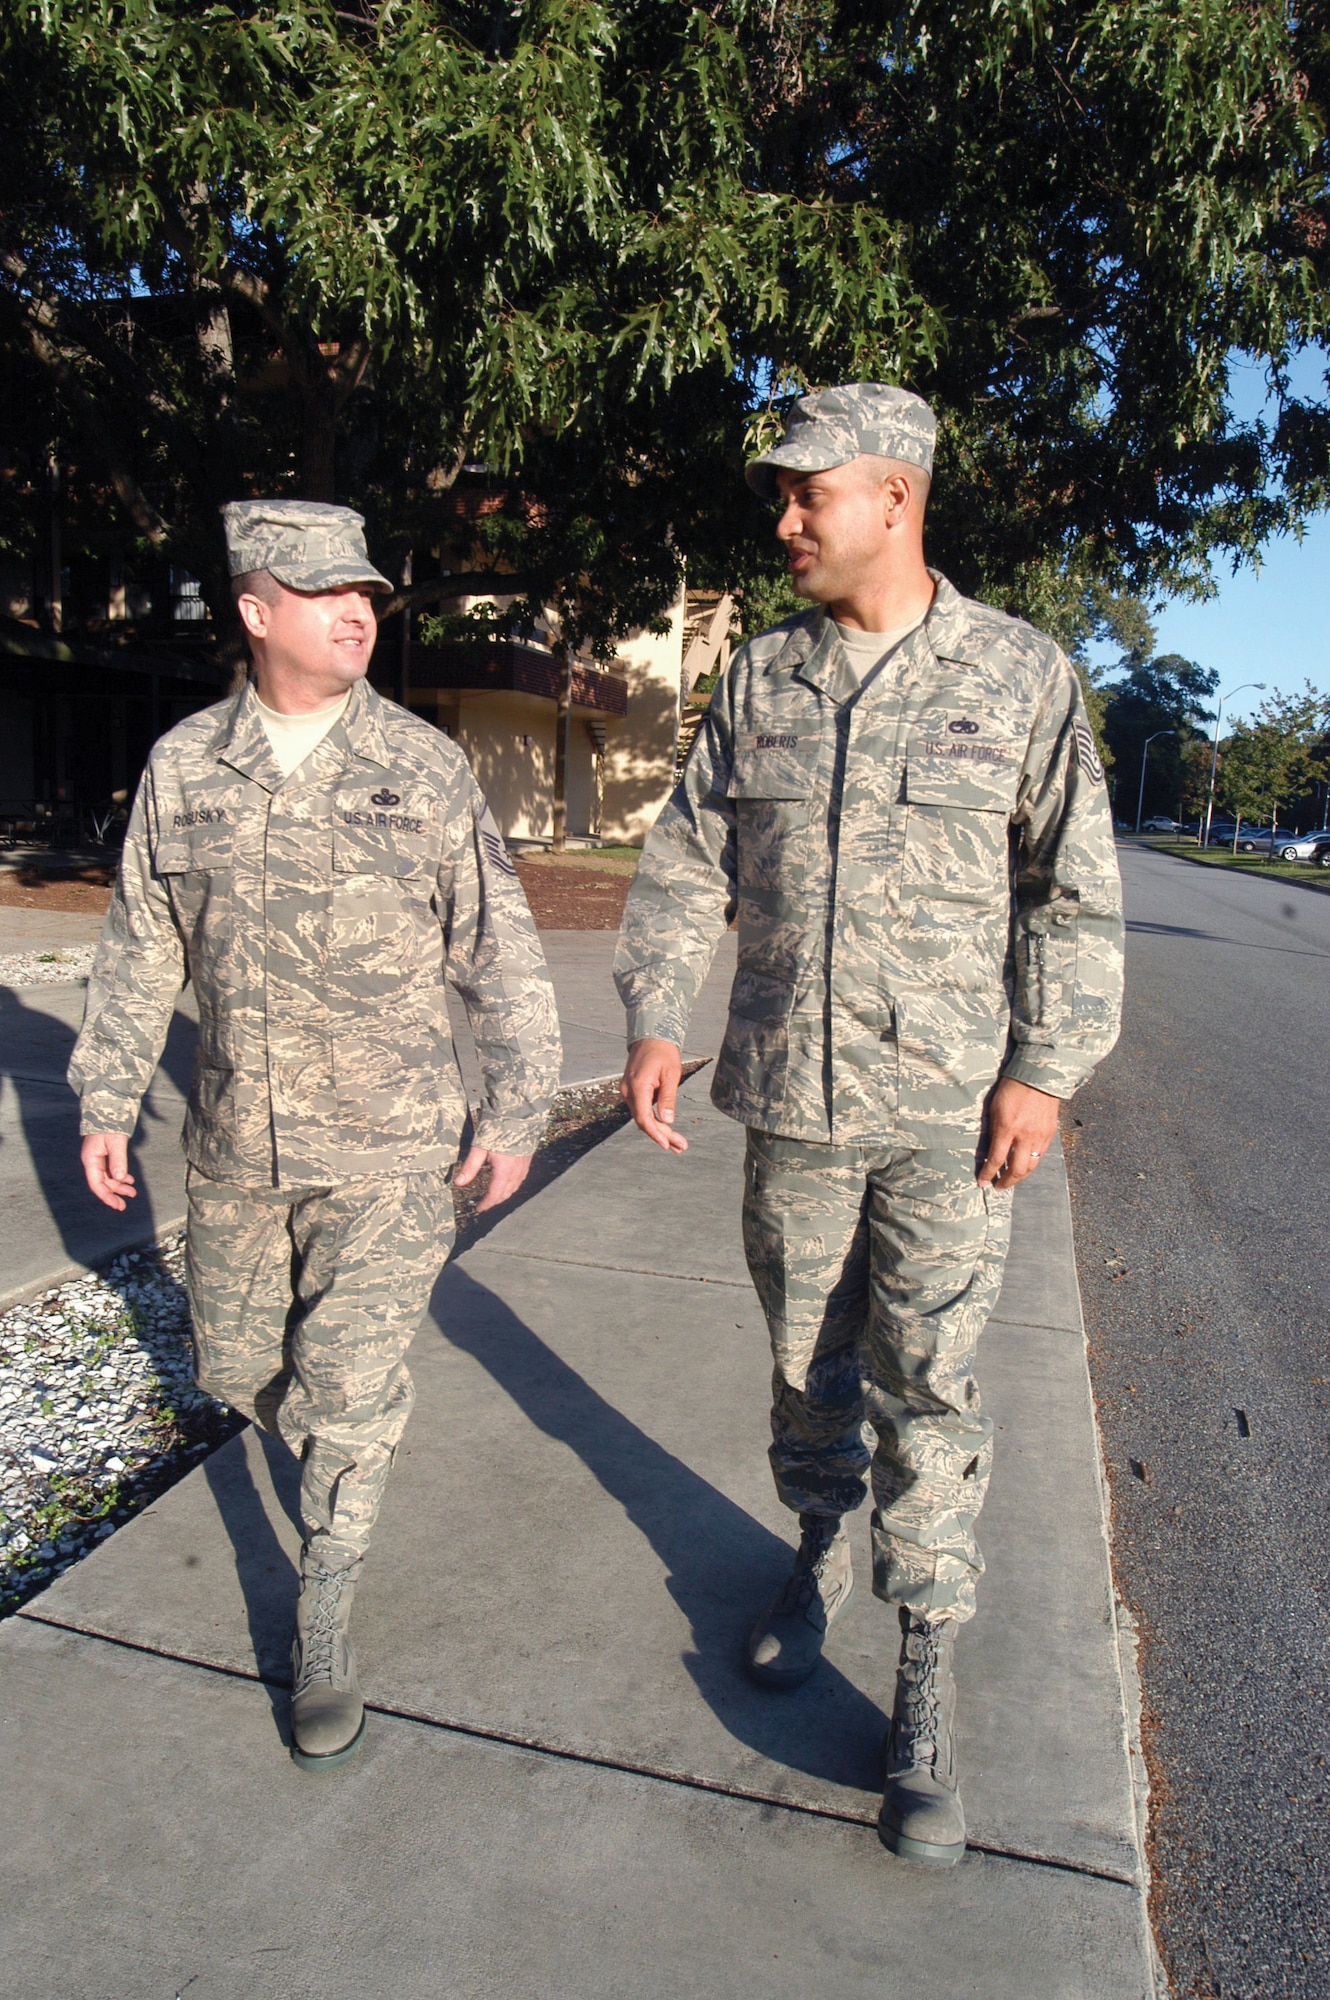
{"x": 569, "y": 1787}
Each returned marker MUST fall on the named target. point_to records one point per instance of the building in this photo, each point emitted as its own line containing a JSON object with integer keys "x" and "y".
{"x": 500, "y": 702}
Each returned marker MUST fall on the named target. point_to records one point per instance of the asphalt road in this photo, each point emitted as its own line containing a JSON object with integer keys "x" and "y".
{"x": 1200, "y": 1172}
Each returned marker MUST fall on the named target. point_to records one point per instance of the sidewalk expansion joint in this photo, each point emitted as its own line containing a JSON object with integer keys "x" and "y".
{"x": 594, "y": 1264}
{"x": 511, "y": 1739}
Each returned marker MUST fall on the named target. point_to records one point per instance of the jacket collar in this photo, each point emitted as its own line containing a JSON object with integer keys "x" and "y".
{"x": 356, "y": 737}
{"x": 814, "y": 652}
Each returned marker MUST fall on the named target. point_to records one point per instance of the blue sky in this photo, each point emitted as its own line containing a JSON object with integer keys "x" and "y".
{"x": 1271, "y": 626}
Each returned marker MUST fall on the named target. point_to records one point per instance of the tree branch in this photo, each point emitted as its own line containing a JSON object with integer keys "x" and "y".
{"x": 231, "y": 277}
{"x": 41, "y": 322}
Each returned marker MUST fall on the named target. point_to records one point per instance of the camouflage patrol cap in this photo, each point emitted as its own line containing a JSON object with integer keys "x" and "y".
{"x": 832, "y": 426}
{"x": 305, "y": 544}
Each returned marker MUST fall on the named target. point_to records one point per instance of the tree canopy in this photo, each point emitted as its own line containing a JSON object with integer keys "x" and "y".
{"x": 1278, "y": 759}
{"x": 590, "y": 248}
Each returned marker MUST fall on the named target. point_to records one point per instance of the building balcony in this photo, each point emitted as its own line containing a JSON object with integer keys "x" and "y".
{"x": 508, "y": 667}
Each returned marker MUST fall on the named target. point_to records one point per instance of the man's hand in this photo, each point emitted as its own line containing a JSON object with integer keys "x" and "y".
{"x": 1021, "y": 1124}
{"x": 105, "y": 1157}
{"x": 507, "y": 1172}
{"x": 649, "y": 1088}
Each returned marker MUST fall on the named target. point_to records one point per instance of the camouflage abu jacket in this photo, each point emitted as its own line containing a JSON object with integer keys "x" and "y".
{"x": 922, "y": 871}
{"x": 317, "y": 916}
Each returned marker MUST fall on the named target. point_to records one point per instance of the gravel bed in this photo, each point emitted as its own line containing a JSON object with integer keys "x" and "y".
{"x": 98, "y": 1412}
{"x": 66, "y": 967}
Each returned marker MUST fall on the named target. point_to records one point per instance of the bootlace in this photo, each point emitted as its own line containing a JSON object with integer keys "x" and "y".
{"x": 919, "y": 1713}
{"x": 316, "y": 1656}
{"x": 811, "y": 1565}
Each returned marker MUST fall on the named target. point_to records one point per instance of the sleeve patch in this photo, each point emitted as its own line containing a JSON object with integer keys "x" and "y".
{"x": 492, "y": 842}
{"x": 1087, "y": 756}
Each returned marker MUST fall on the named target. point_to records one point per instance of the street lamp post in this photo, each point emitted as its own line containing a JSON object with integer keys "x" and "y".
{"x": 1145, "y": 751}
{"x": 1214, "y": 754}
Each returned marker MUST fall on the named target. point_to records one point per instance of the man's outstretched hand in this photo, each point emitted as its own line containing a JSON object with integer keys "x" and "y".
{"x": 105, "y": 1157}
{"x": 649, "y": 1089}
{"x": 1021, "y": 1125}
{"x": 507, "y": 1172}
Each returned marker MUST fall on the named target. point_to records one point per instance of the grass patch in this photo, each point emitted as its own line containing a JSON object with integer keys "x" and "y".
{"x": 1303, "y": 873}
{"x": 608, "y": 860}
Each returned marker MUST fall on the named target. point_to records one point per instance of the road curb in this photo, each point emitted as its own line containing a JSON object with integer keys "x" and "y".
{"x": 22, "y": 1294}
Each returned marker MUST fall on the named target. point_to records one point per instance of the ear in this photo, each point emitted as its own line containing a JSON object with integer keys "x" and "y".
{"x": 896, "y": 499}
{"x": 254, "y": 614}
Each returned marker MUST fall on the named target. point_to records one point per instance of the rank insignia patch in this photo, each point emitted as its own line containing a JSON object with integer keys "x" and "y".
{"x": 492, "y": 842}
{"x": 1086, "y": 754}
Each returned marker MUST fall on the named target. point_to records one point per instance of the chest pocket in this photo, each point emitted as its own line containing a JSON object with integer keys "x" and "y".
{"x": 380, "y": 851}
{"x": 960, "y": 790}
{"x": 771, "y": 783}
{"x": 773, "y": 764}
{"x": 195, "y": 850}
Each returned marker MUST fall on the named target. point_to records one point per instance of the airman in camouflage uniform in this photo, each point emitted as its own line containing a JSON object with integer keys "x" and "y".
{"x": 318, "y": 915}
{"x": 920, "y": 864}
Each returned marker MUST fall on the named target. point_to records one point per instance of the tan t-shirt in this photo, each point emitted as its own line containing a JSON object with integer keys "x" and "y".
{"x": 865, "y": 649}
{"x": 293, "y": 736}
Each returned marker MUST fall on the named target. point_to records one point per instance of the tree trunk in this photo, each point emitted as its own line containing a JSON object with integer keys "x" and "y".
{"x": 562, "y": 729}
{"x": 404, "y": 642}
{"x": 318, "y": 452}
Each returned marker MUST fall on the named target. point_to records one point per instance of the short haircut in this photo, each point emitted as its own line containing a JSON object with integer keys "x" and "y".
{"x": 260, "y": 583}
{"x": 879, "y": 470}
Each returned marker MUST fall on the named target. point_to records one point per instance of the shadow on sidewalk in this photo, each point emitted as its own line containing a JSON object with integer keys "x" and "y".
{"x": 35, "y": 1047}
{"x": 723, "y": 1566}
{"x": 268, "y": 1578}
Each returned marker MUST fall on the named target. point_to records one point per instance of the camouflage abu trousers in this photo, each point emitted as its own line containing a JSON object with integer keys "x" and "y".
{"x": 304, "y": 1302}
{"x": 877, "y": 1268}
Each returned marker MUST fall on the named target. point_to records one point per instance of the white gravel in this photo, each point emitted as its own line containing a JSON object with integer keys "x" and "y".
{"x": 66, "y": 967}
{"x": 97, "y": 1408}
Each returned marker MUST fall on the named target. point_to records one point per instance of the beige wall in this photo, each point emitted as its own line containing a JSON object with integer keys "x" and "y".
{"x": 640, "y": 747}
{"x": 508, "y": 740}
{"x": 517, "y": 776}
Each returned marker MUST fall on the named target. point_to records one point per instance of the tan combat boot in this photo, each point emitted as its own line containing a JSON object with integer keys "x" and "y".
{"x": 327, "y": 1714}
{"x": 922, "y": 1817}
{"x": 786, "y": 1644}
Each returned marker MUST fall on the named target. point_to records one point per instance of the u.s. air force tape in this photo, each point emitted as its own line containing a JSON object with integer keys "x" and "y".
{"x": 1086, "y": 754}
{"x": 492, "y": 842}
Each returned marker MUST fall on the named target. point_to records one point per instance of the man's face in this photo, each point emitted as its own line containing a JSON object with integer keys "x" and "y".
{"x": 320, "y": 638}
{"x": 834, "y": 529}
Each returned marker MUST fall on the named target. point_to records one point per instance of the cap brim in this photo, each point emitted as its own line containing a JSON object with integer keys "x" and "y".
{"x": 760, "y": 473}
{"x": 313, "y": 577}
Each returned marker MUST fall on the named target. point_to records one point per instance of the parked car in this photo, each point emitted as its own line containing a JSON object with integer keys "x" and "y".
{"x": 1159, "y": 825}
{"x": 1249, "y": 837}
{"x": 1301, "y": 846}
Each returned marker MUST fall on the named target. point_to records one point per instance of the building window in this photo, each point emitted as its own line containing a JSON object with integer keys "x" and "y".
{"x": 187, "y": 605}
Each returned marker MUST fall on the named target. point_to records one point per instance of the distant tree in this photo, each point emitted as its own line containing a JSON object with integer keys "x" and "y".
{"x": 1272, "y": 761}
{"x": 1153, "y": 694}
